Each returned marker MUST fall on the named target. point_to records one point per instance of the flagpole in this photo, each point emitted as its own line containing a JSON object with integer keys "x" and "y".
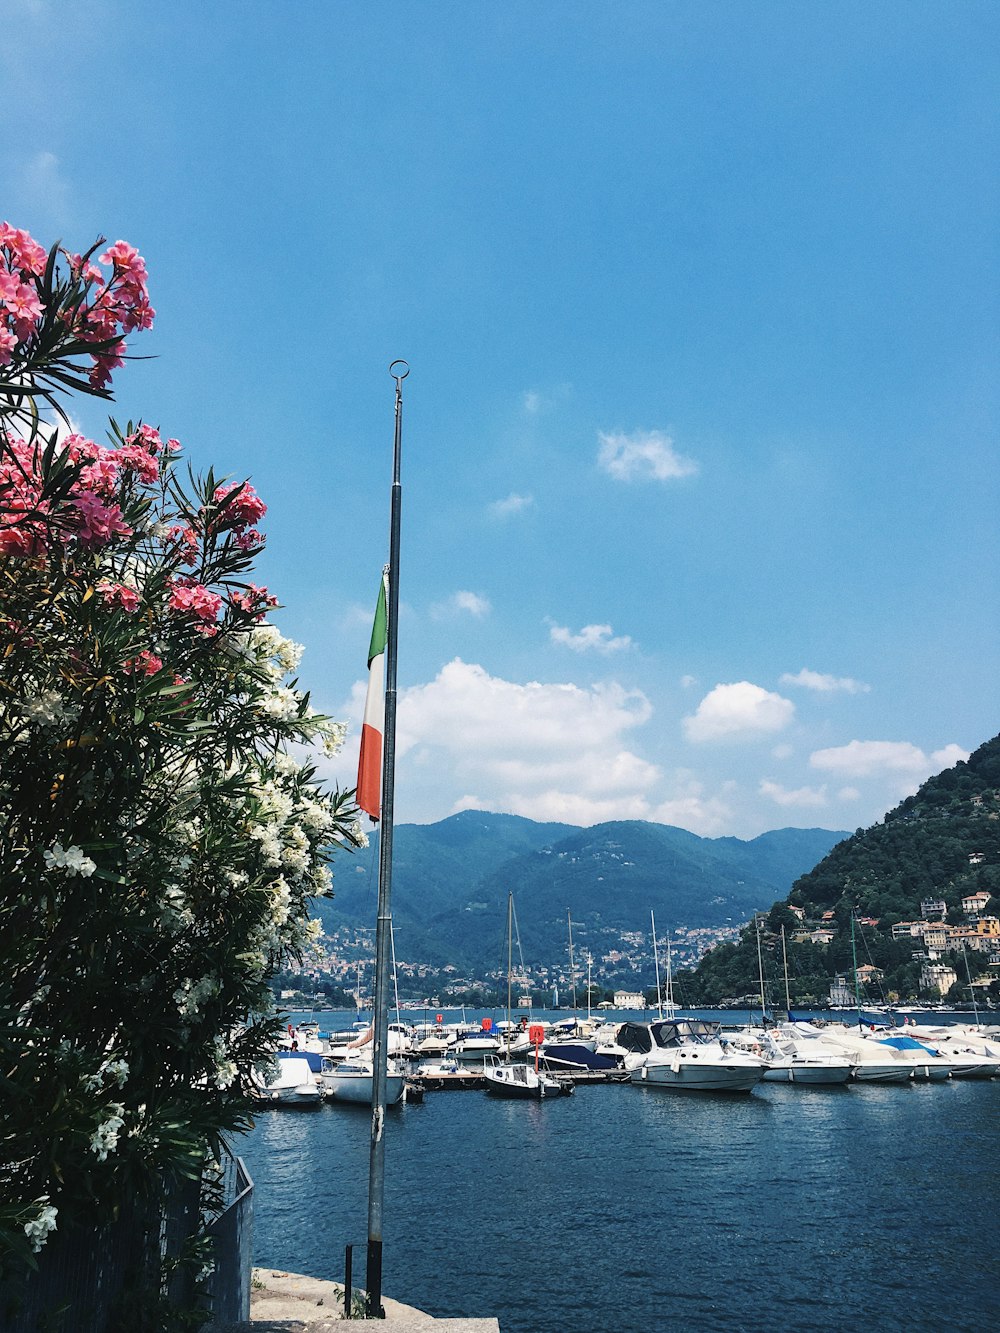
{"x": 383, "y": 938}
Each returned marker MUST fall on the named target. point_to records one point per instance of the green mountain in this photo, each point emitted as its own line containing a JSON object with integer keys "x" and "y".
{"x": 451, "y": 880}
{"x": 941, "y": 843}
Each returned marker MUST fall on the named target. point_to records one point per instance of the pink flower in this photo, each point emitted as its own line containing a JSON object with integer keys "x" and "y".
{"x": 255, "y": 601}
{"x": 127, "y": 260}
{"x": 148, "y": 436}
{"x": 117, "y": 594}
{"x": 138, "y": 461}
{"x": 99, "y": 523}
{"x": 246, "y": 508}
{"x": 187, "y": 538}
{"x": 196, "y": 600}
{"x": 25, "y": 308}
{"x": 7, "y": 344}
{"x": 249, "y": 540}
{"x": 26, "y": 253}
{"x": 146, "y": 664}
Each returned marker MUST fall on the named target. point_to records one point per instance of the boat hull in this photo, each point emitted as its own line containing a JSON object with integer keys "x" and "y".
{"x": 701, "y": 1078}
{"x": 811, "y": 1075}
{"x": 357, "y": 1088}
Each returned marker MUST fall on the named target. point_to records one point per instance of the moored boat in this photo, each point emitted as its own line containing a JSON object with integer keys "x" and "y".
{"x": 351, "y": 1081}
{"x": 523, "y": 1082}
{"x": 687, "y": 1055}
{"x": 291, "y": 1083}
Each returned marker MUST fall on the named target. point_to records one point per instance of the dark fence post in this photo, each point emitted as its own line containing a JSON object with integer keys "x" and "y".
{"x": 348, "y": 1292}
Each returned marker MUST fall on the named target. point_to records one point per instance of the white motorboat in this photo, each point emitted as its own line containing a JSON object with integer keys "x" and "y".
{"x": 292, "y": 1084}
{"x": 687, "y": 1055}
{"x": 872, "y": 1062}
{"x": 352, "y": 1080}
{"x": 473, "y": 1048}
{"x": 524, "y": 1082}
{"x": 788, "y": 1061}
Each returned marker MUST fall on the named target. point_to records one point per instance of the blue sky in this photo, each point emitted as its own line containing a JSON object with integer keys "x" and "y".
{"x": 700, "y": 456}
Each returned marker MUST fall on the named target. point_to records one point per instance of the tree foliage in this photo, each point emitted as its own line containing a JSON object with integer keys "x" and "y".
{"x": 159, "y": 842}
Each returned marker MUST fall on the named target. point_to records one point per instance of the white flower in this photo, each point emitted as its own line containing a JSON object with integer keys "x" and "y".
{"x": 104, "y": 1139}
{"x": 49, "y": 709}
{"x": 358, "y": 833}
{"x": 334, "y": 735}
{"x": 72, "y": 860}
{"x": 37, "y": 1230}
{"x": 285, "y": 764}
{"x": 281, "y": 703}
{"x": 190, "y": 996}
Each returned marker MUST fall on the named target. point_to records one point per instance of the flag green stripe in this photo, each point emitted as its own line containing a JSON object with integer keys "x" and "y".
{"x": 377, "y": 645}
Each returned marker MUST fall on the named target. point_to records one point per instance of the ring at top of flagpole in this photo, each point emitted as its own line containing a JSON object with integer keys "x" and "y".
{"x": 399, "y": 375}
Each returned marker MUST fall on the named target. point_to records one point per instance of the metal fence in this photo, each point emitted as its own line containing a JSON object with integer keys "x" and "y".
{"x": 232, "y": 1233}
{"x": 107, "y": 1280}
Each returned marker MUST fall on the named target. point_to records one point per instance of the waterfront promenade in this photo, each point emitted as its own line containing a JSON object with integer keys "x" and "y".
{"x": 283, "y": 1302}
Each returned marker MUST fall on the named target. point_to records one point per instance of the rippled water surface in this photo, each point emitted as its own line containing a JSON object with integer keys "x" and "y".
{"x": 631, "y": 1209}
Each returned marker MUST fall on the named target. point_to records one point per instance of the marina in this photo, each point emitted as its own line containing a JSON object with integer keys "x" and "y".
{"x": 628, "y": 1209}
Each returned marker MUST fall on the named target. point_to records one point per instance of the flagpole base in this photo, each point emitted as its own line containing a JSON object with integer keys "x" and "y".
{"x": 373, "y": 1305}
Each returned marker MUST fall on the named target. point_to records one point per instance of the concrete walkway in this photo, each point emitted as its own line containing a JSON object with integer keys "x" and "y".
{"x": 291, "y": 1303}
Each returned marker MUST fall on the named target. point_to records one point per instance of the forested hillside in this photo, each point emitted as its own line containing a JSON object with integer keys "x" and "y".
{"x": 942, "y": 843}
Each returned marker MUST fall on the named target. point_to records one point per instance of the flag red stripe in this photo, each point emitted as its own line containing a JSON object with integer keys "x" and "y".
{"x": 370, "y": 772}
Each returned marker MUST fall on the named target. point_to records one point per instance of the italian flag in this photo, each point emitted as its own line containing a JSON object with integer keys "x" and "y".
{"x": 370, "y": 760}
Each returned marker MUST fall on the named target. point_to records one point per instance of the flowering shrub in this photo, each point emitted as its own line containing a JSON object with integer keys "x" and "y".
{"x": 159, "y": 840}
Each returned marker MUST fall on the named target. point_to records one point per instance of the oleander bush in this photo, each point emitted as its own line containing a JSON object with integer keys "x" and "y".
{"x": 160, "y": 833}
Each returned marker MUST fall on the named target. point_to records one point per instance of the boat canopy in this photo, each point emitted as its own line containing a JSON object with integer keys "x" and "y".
{"x": 906, "y": 1044}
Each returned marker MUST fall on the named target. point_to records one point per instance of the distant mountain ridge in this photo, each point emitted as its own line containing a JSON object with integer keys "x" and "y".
{"x": 451, "y": 880}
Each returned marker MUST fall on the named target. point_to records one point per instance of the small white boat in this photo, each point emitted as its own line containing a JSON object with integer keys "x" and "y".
{"x": 524, "y": 1083}
{"x": 352, "y": 1081}
{"x": 292, "y": 1084}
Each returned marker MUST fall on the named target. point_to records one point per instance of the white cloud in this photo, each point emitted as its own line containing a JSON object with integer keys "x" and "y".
{"x": 643, "y": 456}
{"x": 513, "y": 504}
{"x": 823, "y": 684}
{"x": 848, "y": 794}
{"x": 863, "y": 759}
{"x": 547, "y": 751}
{"x": 531, "y": 402}
{"x": 592, "y": 638}
{"x": 463, "y": 602}
{"x": 688, "y": 681}
{"x": 740, "y": 709}
{"x": 782, "y": 752}
{"x": 806, "y": 797}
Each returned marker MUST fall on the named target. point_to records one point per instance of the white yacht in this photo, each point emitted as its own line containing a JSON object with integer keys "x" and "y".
{"x": 871, "y": 1061}
{"x": 791, "y": 1061}
{"x": 687, "y": 1054}
{"x": 351, "y": 1080}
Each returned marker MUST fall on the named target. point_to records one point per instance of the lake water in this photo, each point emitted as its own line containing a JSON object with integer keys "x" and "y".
{"x": 629, "y": 1209}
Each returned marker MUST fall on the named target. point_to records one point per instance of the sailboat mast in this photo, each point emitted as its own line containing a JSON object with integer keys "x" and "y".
{"x": 656, "y": 965}
{"x": 972, "y": 989}
{"x": 376, "y": 1162}
{"x": 854, "y": 963}
{"x": 510, "y": 955}
{"x": 572, "y": 969}
{"x": 760, "y": 970}
{"x": 784, "y": 959}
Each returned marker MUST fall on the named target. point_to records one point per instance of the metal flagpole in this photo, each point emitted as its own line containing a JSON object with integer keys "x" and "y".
{"x": 383, "y": 930}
